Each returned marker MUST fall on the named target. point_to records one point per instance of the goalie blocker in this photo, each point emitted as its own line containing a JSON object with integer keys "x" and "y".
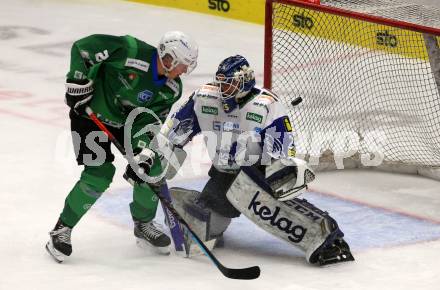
{"x": 258, "y": 197}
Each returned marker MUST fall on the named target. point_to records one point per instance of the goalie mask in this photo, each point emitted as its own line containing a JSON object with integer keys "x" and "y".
{"x": 181, "y": 48}
{"x": 235, "y": 79}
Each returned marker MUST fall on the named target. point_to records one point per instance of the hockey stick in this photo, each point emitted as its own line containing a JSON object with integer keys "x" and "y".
{"x": 176, "y": 231}
{"x": 243, "y": 273}
{"x": 173, "y": 224}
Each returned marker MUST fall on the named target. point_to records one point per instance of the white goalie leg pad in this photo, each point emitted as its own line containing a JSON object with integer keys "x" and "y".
{"x": 295, "y": 221}
{"x": 288, "y": 178}
{"x": 206, "y": 223}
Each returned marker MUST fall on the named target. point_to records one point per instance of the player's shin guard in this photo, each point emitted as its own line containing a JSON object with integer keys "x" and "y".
{"x": 207, "y": 224}
{"x": 93, "y": 182}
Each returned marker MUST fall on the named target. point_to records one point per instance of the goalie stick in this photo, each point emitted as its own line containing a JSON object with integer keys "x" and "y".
{"x": 242, "y": 273}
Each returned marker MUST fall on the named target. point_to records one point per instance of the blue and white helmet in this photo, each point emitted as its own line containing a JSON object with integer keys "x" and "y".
{"x": 236, "y": 72}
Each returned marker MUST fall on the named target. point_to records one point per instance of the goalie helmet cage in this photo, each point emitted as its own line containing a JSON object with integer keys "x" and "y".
{"x": 370, "y": 87}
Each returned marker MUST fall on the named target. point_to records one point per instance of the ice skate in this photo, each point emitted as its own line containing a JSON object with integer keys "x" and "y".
{"x": 59, "y": 245}
{"x": 149, "y": 235}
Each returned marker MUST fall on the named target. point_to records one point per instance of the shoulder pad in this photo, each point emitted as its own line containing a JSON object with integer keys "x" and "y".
{"x": 209, "y": 88}
{"x": 208, "y": 91}
{"x": 174, "y": 86}
{"x": 265, "y": 97}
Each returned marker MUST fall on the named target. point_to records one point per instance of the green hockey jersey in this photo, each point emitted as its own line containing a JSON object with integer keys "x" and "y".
{"x": 124, "y": 72}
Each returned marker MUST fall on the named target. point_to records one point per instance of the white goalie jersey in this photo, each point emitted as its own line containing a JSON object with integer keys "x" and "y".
{"x": 258, "y": 130}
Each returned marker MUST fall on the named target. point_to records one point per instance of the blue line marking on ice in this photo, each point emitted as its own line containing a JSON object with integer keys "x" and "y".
{"x": 367, "y": 227}
{"x": 364, "y": 227}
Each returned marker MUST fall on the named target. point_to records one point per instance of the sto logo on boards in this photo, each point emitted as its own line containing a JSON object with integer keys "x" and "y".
{"x": 385, "y": 38}
{"x": 302, "y": 21}
{"x": 220, "y": 5}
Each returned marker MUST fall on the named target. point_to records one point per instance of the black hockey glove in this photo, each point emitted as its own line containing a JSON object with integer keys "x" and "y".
{"x": 78, "y": 94}
{"x": 144, "y": 160}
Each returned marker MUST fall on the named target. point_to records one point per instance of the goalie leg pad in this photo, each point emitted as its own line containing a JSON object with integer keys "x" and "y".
{"x": 296, "y": 221}
{"x": 334, "y": 249}
{"x": 206, "y": 223}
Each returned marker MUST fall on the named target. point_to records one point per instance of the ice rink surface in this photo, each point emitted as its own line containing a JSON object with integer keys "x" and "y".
{"x": 391, "y": 221}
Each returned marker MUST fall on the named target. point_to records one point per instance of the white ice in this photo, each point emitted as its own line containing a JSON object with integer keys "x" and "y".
{"x": 392, "y": 221}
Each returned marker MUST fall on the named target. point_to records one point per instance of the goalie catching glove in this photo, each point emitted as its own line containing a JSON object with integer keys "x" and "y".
{"x": 288, "y": 178}
{"x": 79, "y": 93}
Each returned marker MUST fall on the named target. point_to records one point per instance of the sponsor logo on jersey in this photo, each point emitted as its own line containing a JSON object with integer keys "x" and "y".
{"x": 203, "y": 95}
{"x": 141, "y": 144}
{"x": 174, "y": 86}
{"x": 137, "y": 63}
{"x": 216, "y": 125}
{"x": 208, "y": 91}
{"x": 124, "y": 81}
{"x": 78, "y": 75}
{"x": 230, "y": 126}
{"x": 291, "y": 152}
{"x": 209, "y": 88}
{"x": 257, "y": 129}
{"x": 254, "y": 117}
{"x": 260, "y": 104}
{"x": 109, "y": 122}
{"x": 287, "y": 124}
{"x": 145, "y": 96}
{"x": 164, "y": 96}
{"x": 295, "y": 232}
{"x": 209, "y": 110}
{"x": 226, "y": 126}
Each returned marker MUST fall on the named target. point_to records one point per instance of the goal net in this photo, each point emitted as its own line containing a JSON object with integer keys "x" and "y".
{"x": 369, "y": 83}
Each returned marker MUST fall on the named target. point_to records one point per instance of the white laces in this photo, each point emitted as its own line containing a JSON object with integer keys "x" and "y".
{"x": 62, "y": 234}
{"x": 151, "y": 229}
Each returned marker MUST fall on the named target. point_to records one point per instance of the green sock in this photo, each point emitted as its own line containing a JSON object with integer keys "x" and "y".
{"x": 144, "y": 205}
{"x": 93, "y": 182}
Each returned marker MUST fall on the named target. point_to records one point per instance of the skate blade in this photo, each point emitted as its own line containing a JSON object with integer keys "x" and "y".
{"x": 346, "y": 257}
{"x": 143, "y": 244}
{"x": 56, "y": 255}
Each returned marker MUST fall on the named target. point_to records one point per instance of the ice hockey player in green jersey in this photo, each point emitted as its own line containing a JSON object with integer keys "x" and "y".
{"x": 114, "y": 75}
